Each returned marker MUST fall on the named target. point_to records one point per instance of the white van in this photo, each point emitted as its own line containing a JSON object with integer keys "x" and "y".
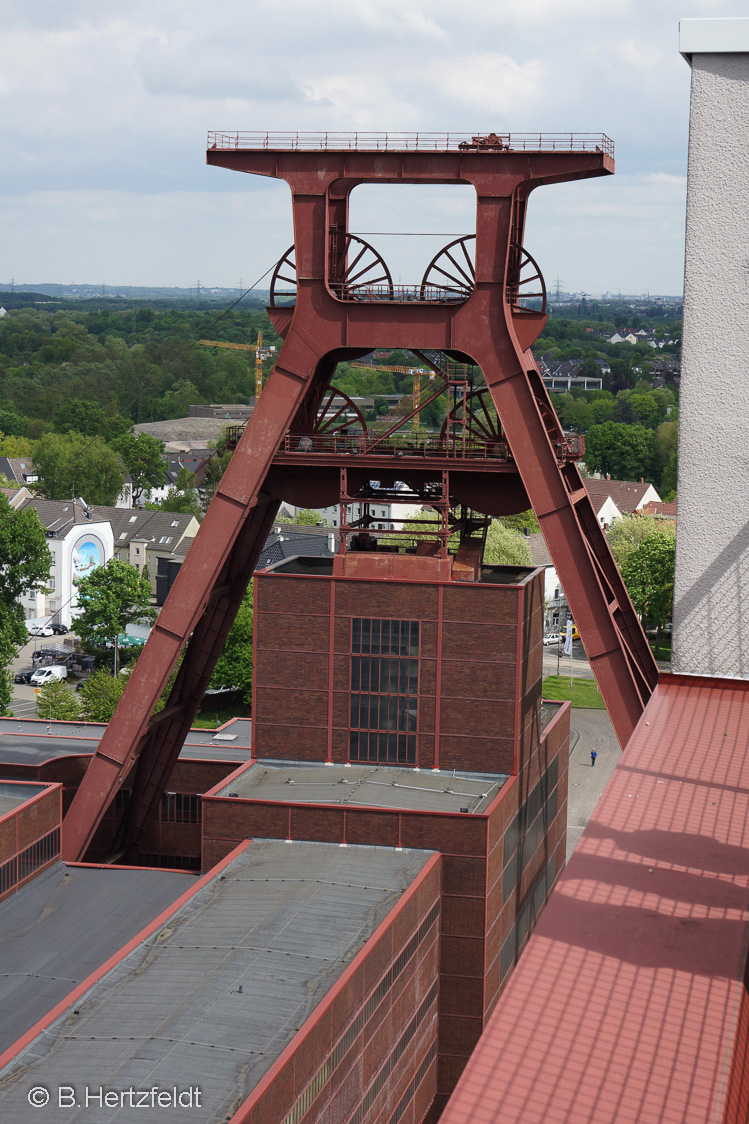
{"x": 46, "y": 674}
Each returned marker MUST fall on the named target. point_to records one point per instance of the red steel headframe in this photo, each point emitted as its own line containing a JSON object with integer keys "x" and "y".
{"x": 487, "y": 326}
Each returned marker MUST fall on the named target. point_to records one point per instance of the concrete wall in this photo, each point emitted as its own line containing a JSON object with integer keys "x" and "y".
{"x": 711, "y": 600}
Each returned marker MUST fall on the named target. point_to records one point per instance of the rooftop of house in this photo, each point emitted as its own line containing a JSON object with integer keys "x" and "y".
{"x": 626, "y": 494}
{"x": 159, "y": 528}
{"x": 214, "y": 994}
{"x": 62, "y": 925}
{"x": 660, "y": 510}
{"x": 539, "y": 551}
{"x": 370, "y": 786}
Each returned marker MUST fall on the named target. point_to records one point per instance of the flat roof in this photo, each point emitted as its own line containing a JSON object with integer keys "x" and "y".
{"x": 625, "y": 1006}
{"x": 62, "y": 925}
{"x": 216, "y": 993}
{"x": 33, "y": 741}
{"x": 371, "y": 786}
{"x": 13, "y": 795}
{"x": 713, "y": 37}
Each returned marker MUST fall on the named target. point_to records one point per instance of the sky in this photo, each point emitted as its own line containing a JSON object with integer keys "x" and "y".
{"x": 106, "y": 107}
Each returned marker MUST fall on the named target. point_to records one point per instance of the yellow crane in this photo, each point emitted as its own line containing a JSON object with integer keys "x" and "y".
{"x": 256, "y": 347}
{"x": 417, "y": 372}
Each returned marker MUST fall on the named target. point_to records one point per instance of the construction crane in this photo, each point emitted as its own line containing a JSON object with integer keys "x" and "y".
{"x": 415, "y": 371}
{"x": 256, "y": 347}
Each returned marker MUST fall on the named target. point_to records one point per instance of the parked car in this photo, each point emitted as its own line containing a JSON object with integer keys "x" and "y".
{"x": 59, "y": 629}
{"x": 24, "y": 676}
{"x": 47, "y": 674}
{"x": 40, "y": 630}
{"x": 553, "y": 638}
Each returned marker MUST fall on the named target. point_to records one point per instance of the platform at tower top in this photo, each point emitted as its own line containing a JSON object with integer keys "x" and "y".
{"x": 484, "y": 143}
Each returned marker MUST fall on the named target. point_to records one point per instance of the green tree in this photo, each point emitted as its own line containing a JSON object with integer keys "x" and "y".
{"x": 648, "y": 573}
{"x": 56, "y": 700}
{"x": 505, "y": 547}
{"x": 234, "y": 666}
{"x": 110, "y": 599}
{"x": 305, "y": 517}
{"x": 143, "y": 459}
{"x": 73, "y": 465}
{"x": 626, "y": 534}
{"x": 669, "y": 478}
{"x": 15, "y": 446}
{"x": 24, "y": 566}
{"x": 519, "y": 522}
{"x": 626, "y": 452}
{"x": 81, "y": 416}
{"x": 100, "y": 694}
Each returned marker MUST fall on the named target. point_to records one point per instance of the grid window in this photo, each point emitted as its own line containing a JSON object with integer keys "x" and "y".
{"x": 383, "y": 720}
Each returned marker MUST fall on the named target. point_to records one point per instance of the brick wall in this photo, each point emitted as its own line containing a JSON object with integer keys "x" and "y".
{"x": 479, "y": 674}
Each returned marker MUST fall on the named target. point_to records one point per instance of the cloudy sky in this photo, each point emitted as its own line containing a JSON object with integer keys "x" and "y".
{"x": 106, "y": 106}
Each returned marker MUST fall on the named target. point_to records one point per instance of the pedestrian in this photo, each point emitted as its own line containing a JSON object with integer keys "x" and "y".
{"x": 593, "y": 755}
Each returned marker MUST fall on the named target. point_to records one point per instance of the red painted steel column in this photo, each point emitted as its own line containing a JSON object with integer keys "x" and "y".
{"x": 233, "y": 504}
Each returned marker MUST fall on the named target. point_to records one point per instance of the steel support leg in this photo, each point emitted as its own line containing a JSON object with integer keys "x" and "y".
{"x": 202, "y": 604}
{"x": 611, "y": 632}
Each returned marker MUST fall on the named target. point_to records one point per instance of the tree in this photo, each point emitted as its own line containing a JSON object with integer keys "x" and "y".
{"x": 15, "y": 446}
{"x": 505, "y": 547}
{"x": 73, "y": 465}
{"x": 234, "y": 665}
{"x": 143, "y": 459}
{"x": 56, "y": 700}
{"x": 626, "y": 452}
{"x": 305, "y": 517}
{"x": 24, "y": 565}
{"x": 519, "y": 522}
{"x": 626, "y": 534}
{"x": 110, "y": 599}
{"x": 100, "y": 694}
{"x": 648, "y": 573}
{"x": 81, "y": 416}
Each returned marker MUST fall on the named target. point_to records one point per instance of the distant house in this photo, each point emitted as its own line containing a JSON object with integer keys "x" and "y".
{"x": 17, "y": 496}
{"x": 82, "y": 537}
{"x": 630, "y": 337}
{"x": 660, "y": 510}
{"x": 613, "y": 498}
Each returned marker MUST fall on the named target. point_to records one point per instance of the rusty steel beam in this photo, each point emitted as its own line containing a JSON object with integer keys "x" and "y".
{"x": 189, "y": 612}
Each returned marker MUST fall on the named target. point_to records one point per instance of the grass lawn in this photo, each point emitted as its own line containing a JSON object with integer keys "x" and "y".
{"x": 584, "y": 694}
{"x": 212, "y": 717}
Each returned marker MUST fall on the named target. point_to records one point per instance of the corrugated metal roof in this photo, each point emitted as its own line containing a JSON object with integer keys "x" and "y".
{"x": 62, "y": 925}
{"x": 373, "y": 786}
{"x": 624, "y": 1007}
{"x": 216, "y": 993}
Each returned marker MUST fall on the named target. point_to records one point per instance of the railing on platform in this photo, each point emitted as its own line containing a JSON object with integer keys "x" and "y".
{"x": 414, "y": 142}
{"x": 399, "y": 294}
{"x": 405, "y": 445}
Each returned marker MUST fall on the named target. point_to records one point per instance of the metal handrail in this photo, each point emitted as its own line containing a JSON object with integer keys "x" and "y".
{"x": 398, "y": 294}
{"x": 413, "y": 142}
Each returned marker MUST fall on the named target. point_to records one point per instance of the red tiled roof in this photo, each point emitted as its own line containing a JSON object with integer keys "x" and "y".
{"x": 661, "y": 510}
{"x": 628, "y": 1004}
{"x": 626, "y": 494}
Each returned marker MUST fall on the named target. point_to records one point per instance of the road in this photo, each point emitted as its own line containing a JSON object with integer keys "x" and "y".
{"x": 590, "y": 729}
